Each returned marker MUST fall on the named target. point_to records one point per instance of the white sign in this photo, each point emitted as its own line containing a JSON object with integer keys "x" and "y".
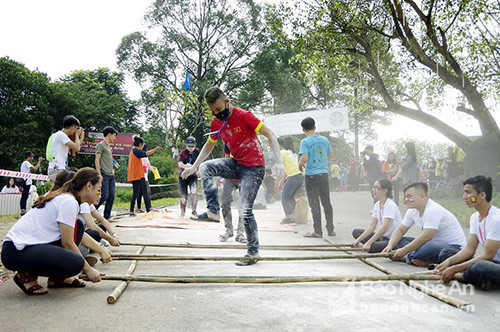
{"x": 332, "y": 119}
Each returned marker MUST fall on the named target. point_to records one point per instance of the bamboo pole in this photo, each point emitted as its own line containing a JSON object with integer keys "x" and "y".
{"x": 262, "y": 279}
{"x": 241, "y": 246}
{"x": 458, "y": 303}
{"x": 115, "y": 295}
{"x": 232, "y": 258}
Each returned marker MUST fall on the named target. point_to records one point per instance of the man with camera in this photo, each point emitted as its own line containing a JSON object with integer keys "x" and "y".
{"x": 60, "y": 143}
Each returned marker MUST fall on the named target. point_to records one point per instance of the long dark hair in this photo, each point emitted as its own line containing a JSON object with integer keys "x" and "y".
{"x": 410, "y": 146}
{"x": 62, "y": 178}
{"x": 13, "y": 185}
{"x": 73, "y": 187}
{"x": 386, "y": 184}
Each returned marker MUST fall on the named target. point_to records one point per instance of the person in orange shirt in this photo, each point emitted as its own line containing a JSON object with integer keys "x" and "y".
{"x": 136, "y": 173}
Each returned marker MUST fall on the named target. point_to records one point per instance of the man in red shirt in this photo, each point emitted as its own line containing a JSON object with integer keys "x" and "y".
{"x": 238, "y": 129}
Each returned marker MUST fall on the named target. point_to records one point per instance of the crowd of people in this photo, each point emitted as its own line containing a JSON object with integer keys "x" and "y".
{"x": 54, "y": 238}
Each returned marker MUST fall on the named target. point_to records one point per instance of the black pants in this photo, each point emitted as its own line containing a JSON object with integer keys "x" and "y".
{"x": 140, "y": 187}
{"x": 141, "y": 196}
{"x": 25, "y": 195}
{"x": 377, "y": 246}
{"x": 317, "y": 189}
{"x": 48, "y": 260}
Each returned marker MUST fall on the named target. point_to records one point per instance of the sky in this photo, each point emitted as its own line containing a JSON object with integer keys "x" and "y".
{"x": 57, "y": 37}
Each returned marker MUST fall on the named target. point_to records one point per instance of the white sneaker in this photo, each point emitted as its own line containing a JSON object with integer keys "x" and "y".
{"x": 104, "y": 243}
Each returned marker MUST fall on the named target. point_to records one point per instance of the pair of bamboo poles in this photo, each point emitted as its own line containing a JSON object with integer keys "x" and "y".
{"x": 126, "y": 279}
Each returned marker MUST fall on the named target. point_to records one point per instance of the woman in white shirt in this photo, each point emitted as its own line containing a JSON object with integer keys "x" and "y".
{"x": 385, "y": 214}
{"x": 44, "y": 242}
{"x": 10, "y": 188}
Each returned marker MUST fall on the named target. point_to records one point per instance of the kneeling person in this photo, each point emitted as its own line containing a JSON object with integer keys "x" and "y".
{"x": 440, "y": 229}
{"x": 483, "y": 270}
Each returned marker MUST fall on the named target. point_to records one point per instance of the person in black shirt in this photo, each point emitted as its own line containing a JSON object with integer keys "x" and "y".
{"x": 188, "y": 186}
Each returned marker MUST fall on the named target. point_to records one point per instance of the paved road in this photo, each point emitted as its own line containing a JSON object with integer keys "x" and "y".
{"x": 237, "y": 307}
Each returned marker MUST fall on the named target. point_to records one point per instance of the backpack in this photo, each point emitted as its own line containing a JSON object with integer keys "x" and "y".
{"x": 48, "y": 149}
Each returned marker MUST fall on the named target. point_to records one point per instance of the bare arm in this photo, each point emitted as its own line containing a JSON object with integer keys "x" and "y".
{"x": 98, "y": 163}
{"x": 367, "y": 232}
{"x": 385, "y": 225}
{"x": 426, "y": 235}
{"x": 302, "y": 161}
{"x": 105, "y": 223}
{"x": 396, "y": 237}
{"x": 90, "y": 222}
{"x": 92, "y": 244}
{"x": 273, "y": 142}
{"x": 68, "y": 242}
{"x": 204, "y": 153}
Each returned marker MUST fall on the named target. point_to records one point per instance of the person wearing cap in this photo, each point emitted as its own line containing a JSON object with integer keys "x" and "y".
{"x": 238, "y": 129}
{"x": 27, "y": 167}
{"x": 188, "y": 186}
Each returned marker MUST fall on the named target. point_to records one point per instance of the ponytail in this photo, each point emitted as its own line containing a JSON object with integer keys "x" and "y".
{"x": 73, "y": 186}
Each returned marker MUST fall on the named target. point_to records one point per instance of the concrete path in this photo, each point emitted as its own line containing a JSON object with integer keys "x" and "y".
{"x": 239, "y": 307}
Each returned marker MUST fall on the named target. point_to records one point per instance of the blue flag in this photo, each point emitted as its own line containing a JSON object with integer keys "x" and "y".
{"x": 187, "y": 82}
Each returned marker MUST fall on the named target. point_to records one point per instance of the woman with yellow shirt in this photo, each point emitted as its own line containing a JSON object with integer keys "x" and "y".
{"x": 292, "y": 182}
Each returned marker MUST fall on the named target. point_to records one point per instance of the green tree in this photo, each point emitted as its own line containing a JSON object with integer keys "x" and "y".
{"x": 402, "y": 55}
{"x": 27, "y": 112}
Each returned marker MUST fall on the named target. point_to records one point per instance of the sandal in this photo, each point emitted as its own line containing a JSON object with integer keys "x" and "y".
{"x": 203, "y": 217}
{"x": 224, "y": 237}
{"x": 247, "y": 262}
{"x": 59, "y": 283}
{"x": 240, "y": 238}
{"x": 313, "y": 234}
{"x": 24, "y": 279}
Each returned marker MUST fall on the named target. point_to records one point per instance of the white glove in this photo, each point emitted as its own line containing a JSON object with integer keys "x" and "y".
{"x": 188, "y": 172}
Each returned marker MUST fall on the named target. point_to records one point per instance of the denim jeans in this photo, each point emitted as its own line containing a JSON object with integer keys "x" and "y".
{"x": 482, "y": 271}
{"x": 429, "y": 251}
{"x": 107, "y": 194}
{"x": 251, "y": 178}
{"x": 317, "y": 188}
{"x": 292, "y": 186}
{"x": 382, "y": 242}
{"x": 227, "y": 198}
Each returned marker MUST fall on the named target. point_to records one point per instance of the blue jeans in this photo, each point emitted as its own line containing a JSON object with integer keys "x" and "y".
{"x": 251, "y": 178}
{"x": 482, "y": 271}
{"x": 430, "y": 251}
{"x": 292, "y": 186}
{"x": 227, "y": 199}
{"x": 107, "y": 194}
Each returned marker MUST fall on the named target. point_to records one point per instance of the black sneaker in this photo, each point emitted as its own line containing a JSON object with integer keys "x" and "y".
{"x": 332, "y": 233}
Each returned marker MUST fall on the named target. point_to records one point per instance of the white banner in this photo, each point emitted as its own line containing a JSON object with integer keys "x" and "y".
{"x": 327, "y": 120}
{"x": 13, "y": 174}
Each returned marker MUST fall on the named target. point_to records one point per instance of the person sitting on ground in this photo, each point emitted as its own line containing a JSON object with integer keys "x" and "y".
{"x": 10, "y": 187}
{"x": 484, "y": 269}
{"x": 315, "y": 150}
{"x": 292, "y": 181}
{"x": 44, "y": 242}
{"x": 386, "y": 214}
{"x": 440, "y": 229}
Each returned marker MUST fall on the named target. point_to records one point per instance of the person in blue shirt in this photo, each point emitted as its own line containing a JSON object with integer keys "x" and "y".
{"x": 315, "y": 150}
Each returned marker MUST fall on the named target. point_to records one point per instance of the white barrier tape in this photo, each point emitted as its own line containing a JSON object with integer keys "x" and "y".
{"x": 13, "y": 174}
{"x": 129, "y": 185}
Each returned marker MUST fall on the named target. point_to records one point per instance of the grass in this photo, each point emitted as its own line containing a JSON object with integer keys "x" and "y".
{"x": 167, "y": 201}
{"x": 457, "y": 206}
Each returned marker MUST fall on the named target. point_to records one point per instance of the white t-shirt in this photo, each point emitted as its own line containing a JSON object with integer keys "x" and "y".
{"x": 390, "y": 211}
{"x": 487, "y": 229}
{"x": 41, "y": 226}
{"x": 436, "y": 217}
{"x": 59, "y": 150}
{"x": 7, "y": 190}
{"x": 26, "y": 168}
{"x": 85, "y": 208}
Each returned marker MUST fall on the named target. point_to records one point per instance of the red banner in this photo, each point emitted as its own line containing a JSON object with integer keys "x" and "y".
{"x": 121, "y": 146}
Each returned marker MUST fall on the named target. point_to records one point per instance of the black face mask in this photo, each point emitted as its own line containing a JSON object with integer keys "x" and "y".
{"x": 222, "y": 115}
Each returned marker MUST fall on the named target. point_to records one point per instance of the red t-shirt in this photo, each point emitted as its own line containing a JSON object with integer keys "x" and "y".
{"x": 240, "y": 135}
